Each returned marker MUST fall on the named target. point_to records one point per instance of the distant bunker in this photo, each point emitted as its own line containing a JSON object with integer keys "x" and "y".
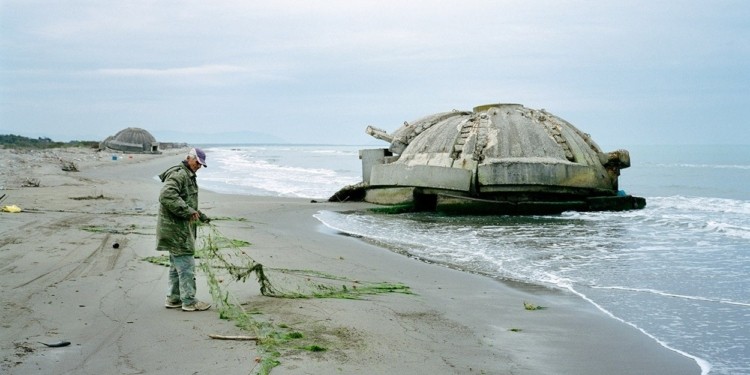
{"x": 496, "y": 159}
{"x": 133, "y": 141}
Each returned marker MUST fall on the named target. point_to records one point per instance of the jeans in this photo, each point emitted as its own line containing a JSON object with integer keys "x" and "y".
{"x": 182, "y": 279}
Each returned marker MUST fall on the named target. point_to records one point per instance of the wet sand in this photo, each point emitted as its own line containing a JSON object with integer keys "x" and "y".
{"x": 63, "y": 280}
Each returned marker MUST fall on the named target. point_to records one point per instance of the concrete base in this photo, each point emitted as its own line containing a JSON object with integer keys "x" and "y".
{"x": 541, "y": 173}
{"x": 456, "y": 205}
{"x": 394, "y": 195}
{"x": 425, "y": 176}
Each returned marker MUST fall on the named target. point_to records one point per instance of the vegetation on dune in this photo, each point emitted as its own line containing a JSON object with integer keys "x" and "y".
{"x": 18, "y": 141}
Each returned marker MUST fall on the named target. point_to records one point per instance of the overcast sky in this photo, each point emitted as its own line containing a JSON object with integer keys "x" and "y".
{"x": 626, "y": 72}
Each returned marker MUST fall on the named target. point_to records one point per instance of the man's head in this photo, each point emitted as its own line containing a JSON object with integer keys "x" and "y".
{"x": 196, "y": 158}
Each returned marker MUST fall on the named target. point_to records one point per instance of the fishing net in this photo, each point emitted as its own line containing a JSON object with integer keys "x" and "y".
{"x": 225, "y": 261}
{"x": 228, "y": 266}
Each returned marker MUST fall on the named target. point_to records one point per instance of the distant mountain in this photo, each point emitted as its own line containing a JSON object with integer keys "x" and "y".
{"x": 214, "y": 138}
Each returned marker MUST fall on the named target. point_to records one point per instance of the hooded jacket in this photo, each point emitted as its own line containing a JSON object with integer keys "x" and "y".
{"x": 178, "y": 200}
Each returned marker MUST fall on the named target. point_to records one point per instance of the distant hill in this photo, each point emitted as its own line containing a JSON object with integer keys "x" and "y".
{"x": 242, "y": 137}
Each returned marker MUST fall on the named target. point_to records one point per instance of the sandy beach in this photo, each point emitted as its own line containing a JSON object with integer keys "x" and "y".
{"x": 63, "y": 280}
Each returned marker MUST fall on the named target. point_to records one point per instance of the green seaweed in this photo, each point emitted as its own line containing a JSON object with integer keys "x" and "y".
{"x": 91, "y": 197}
{"x": 268, "y": 362}
{"x": 227, "y": 218}
{"x": 227, "y": 242}
{"x": 293, "y": 335}
{"x": 161, "y": 260}
{"x": 222, "y": 256}
{"x": 97, "y": 229}
{"x": 130, "y": 229}
{"x": 394, "y": 209}
{"x": 313, "y": 348}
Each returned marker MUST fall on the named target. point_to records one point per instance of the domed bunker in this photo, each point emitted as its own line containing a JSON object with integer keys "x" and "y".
{"x": 497, "y": 159}
{"x": 132, "y": 140}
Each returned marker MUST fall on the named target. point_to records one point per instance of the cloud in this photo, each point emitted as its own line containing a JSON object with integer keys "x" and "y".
{"x": 210, "y": 73}
{"x": 203, "y": 70}
{"x": 385, "y": 61}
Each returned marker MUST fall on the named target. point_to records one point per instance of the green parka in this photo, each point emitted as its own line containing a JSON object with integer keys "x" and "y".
{"x": 178, "y": 201}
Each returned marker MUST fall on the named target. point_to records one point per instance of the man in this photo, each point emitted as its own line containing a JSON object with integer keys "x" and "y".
{"x": 176, "y": 229}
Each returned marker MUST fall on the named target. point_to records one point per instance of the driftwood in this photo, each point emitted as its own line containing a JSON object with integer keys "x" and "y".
{"x": 69, "y": 166}
{"x": 241, "y": 338}
{"x": 31, "y": 182}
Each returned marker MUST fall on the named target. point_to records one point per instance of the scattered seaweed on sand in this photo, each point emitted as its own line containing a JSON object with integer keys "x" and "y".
{"x": 161, "y": 260}
{"x": 91, "y": 197}
{"x": 313, "y": 348}
{"x": 129, "y": 229}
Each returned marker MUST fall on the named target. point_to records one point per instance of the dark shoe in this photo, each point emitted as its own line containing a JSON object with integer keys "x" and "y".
{"x": 172, "y": 305}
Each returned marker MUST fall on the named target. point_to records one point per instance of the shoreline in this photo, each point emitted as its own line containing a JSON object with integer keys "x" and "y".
{"x": 68, "y": 283}
{"x": 705, "y": 366}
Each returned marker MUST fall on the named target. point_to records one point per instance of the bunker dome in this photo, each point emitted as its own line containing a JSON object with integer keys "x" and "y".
{"x": 498, "y": 158}
{"x": 132, "y": 140}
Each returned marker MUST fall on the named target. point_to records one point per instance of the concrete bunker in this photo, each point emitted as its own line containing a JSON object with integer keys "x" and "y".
{"x": 132, "y": 140}
{"x": 495, "y": 159}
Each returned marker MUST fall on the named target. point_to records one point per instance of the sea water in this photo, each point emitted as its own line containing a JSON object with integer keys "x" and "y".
{"x": 676, "y": 270}
{"x": 308, "y": 171}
